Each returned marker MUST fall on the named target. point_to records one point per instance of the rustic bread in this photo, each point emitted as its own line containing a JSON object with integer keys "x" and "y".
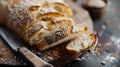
{"x": 34, "y": 22}
{"x": 46, "y": 24}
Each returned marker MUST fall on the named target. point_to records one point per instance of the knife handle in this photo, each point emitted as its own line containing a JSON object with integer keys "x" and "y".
{"x": 33, "y": 59}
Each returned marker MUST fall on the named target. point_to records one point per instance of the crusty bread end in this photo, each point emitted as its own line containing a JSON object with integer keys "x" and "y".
{"x": 82, "y": 42}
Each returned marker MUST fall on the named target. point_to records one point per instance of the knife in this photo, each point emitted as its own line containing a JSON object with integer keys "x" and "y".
{"x": 19, "y": 47}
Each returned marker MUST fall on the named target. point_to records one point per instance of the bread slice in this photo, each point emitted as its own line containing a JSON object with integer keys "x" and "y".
{"x": 82, "y": 42}
{"x": 54, "y": 41}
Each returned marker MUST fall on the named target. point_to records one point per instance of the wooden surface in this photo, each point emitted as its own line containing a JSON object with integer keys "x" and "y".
{"x": 80, "y": 16}
{"x": 6, "y": 54}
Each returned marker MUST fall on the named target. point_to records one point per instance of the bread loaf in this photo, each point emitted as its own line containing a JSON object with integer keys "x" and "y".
{"x": 34, "y": 22}
{"x": 46, "y": 24}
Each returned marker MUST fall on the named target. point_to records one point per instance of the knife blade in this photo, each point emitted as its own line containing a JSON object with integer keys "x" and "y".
{"x": 19, "y": 47}
{"x": 10, "y": 39}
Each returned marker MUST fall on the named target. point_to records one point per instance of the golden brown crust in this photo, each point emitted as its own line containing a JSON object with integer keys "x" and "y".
{"x": 64, "y": 8}
{"x": 50, "y": 15}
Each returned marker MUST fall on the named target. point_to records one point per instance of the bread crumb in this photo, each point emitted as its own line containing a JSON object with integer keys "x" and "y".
{"x": 103, "y": 62}
{"x": 97, "y": 52}
{"x": 107, "y": 22}
{"x": 113, "y": 55}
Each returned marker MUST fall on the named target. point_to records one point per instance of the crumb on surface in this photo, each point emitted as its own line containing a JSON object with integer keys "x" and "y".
{"x": 107, "y": 22}
{"x": 113, "y": 54}
{"x": 103, "y": 62}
